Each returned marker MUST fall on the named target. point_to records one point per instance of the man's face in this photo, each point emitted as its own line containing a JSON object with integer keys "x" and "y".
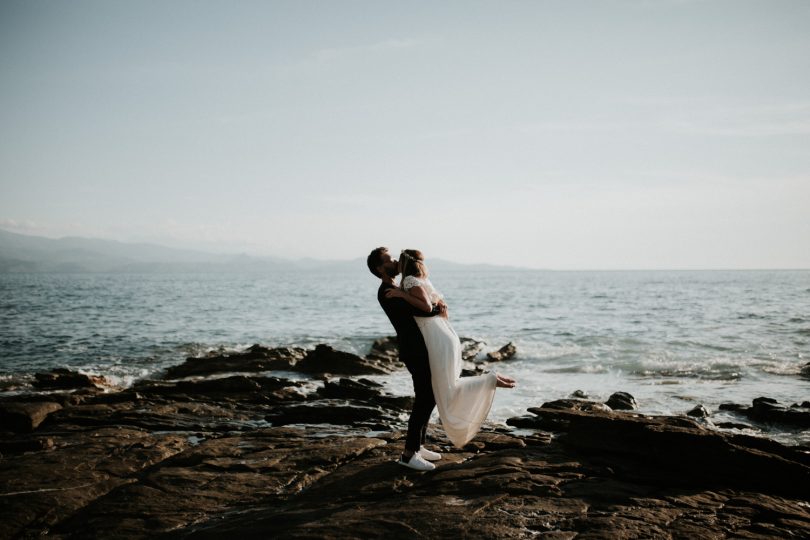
{"x": 389, "y": 266}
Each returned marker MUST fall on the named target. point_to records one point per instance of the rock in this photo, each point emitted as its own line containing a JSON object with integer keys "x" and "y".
{"x": 385, "y": 350}
{"x": 364, "y": 392}
{"x": 576, "y": 405}
{"x": 580, "y": 394}
{"x": 699, "y": 412}
{"x": 475, "y": 371}
{"x": 25, "y": 445}
{"x": 470, "y": 348}
{"x": 194, "y": 459}
{"x": 254, "y": 358}
{"x": 325, "y": 359}
{"x": 769, "y": 411}
{"x": 678, "y": 451}
{"x": 732, "y": 407}
{"x": 504, "y": 353}
{"x": 61, "y": 378}
{"x": 23, "y": 417}
{"x": 325, "y": 412}
{"x": 805, "y": 371}
{"x": 622, "y": 401}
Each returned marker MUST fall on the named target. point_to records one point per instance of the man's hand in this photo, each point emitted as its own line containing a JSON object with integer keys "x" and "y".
{"x": 442, "y": 308}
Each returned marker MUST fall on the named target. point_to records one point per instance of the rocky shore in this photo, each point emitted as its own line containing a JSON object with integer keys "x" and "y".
{"x": 222, "y": 446}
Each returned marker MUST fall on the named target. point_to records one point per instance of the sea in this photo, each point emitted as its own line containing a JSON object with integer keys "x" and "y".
{"x": 672, "y": 339}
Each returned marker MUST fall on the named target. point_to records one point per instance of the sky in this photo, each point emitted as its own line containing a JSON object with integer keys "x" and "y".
{"x": 610, "y": 134}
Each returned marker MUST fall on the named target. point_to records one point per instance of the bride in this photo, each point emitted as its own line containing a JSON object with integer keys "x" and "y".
{"x": 463, "y": 402}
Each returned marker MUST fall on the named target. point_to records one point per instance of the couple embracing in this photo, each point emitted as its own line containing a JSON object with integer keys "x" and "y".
{"x": 431, "y": 351}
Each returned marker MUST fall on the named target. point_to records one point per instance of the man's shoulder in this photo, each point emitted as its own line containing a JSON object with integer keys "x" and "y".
{"x": 381, "y": 291}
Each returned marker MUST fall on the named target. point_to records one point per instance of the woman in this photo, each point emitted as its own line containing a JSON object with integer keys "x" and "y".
{"x": 463, "y": 402}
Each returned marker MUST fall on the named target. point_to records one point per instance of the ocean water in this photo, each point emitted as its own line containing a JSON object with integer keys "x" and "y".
{"x": 673, "y": 339}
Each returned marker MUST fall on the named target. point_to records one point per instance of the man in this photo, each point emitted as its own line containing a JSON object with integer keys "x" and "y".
{"x": 413, "y": 353}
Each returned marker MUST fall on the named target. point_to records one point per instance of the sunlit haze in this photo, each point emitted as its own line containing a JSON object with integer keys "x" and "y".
{"x": 549, "y": 134}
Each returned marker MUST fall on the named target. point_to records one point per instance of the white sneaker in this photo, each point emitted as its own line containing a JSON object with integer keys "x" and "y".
{"x": 429, "y": 454}
{"x": 417, "y": 463}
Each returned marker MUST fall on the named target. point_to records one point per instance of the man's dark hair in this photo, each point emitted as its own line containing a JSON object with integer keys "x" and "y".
{"x": 375, "y": 259}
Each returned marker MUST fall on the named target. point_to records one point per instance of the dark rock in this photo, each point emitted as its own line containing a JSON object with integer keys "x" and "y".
{"x": 699, "y": 412}
{"x": 61, "y": 378}
{"x": 769, "y": 411}
{"x": 325, "y": 412}
{"x": 25, "y": 445}
{"x": 576, "y": 405}
{"x": 473, "y": 372}
{"x": 806, "y": 404}
{"x": 385, "y": 350}
{"x": 193, "y": 459}
{"x": 683, "y": 452}
{"x": 622, "y": 401}
{"x": 325, "y": 359}
{"x": 351, "y": 389}
{"x": 365, "y": 392}
{"x": 254, "y": 358}
{"x": 580, "y": 394}
{"x": 805, "y": 371}
{"x": 732, "y": 407}
{"x": 23, "y": 417}
{"x": 733, "y": 425}
{"x": 504, "y": 353}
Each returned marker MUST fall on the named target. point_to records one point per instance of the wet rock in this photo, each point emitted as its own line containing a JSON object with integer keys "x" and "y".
{"x": 698, "y": 412}
{"x": 622, "y": 401}
{"x": 470, "y": 348}
{"x": 23, "y": 417}
{"x": 769, "y": 411}
{"x": 504, "y": 353}
{"x": 325, "y": 359}
{"x": 385, "y": 350}
{"x": 805, "y": 371}
{"x": 254, "y": 358}
{"x": 579, "y": 394}
{"x": 61, "y": 378}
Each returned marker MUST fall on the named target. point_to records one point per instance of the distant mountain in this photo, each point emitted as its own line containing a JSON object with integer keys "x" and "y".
{"x": 24, "y": 253}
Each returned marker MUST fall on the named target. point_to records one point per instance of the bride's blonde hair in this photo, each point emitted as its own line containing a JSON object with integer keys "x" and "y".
{"x": 412, "y": 263}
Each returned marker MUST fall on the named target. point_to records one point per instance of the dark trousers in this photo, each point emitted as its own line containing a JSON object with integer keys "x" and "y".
{"x": 423, "y": 404}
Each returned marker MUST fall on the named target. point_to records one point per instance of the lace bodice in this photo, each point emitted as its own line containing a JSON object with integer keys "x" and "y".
{"x": 409, "y": 282}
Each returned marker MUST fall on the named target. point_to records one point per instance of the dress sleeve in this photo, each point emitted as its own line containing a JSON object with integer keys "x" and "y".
{"x": 408, "y": 282}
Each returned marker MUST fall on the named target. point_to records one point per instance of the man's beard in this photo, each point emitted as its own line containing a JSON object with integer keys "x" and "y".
{"x": 392, "y": 271}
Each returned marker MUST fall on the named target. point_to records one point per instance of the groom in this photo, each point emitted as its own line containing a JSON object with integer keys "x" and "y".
{"x": 413, "y": 353}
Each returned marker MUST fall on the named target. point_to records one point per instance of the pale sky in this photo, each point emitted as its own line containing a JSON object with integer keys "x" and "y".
{"x": 551, "y": 134}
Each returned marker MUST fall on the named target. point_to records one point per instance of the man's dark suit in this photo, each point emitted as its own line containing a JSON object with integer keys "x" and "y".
{"x": 413, "y": 353}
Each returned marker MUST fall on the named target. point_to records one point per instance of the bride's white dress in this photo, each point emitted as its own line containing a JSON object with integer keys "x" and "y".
{"x": 463, "y": 402}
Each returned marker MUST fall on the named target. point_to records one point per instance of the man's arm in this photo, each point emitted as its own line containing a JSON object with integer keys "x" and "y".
{"x": 413, "y": 311}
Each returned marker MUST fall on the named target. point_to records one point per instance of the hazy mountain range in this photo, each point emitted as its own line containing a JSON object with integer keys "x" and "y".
{"x": 23, "y": 253}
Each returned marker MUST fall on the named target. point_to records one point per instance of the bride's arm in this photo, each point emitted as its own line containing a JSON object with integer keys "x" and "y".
{"x": 415, "y": 296}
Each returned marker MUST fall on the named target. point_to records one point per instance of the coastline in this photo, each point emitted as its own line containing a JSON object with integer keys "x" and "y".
{"x": 203, "y": 453}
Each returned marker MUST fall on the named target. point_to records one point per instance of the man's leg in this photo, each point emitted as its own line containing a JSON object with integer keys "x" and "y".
{"x": 423, "y": 405}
